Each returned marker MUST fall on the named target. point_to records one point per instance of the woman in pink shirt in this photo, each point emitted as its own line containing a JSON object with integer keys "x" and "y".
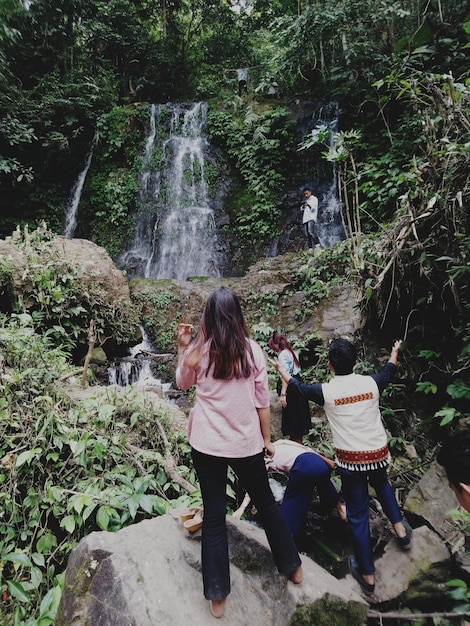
{"x": 229, "y": 425}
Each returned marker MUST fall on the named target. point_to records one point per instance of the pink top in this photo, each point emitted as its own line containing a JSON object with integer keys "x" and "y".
{"x": 224, "y": 421}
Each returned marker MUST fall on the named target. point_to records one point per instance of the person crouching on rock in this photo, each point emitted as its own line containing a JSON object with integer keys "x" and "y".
{"x": 308, "y": 471}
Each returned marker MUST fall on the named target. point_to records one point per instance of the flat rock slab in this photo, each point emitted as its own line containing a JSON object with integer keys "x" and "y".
{"x": 397, "y": 569}
{"x": 150, "y": 573}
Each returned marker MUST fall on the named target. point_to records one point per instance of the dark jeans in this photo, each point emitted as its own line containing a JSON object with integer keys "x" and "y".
{"x": 251, "y": 471}
{"x": 308, "y": 472}
{"x": 242, "y": 87}
{"x": 310, "y": 229}
{"x": 356, "y": 494}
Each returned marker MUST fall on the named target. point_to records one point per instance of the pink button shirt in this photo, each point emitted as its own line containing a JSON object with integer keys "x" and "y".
{"x": 224, "y": 421}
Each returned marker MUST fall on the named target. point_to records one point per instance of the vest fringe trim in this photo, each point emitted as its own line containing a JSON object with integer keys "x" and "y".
{"x": 363, "y": 467}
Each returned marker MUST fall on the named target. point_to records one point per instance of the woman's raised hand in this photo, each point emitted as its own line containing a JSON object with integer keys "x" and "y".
{"x": 185, "y": 333}
{"x": 275, "y": 363}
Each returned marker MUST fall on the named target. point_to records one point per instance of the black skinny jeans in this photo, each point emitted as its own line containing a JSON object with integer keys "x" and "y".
{"x": 251, "y": 471}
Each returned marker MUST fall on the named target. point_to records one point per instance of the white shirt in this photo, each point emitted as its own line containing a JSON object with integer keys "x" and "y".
{"x": 286, "y": 453}
{"x": 311, "y": 209}
{"x": 287, "y": 362}
{"x": 272, "y": 89}
{"x": 352, "y": 409}
{"x": 242, "y": 73}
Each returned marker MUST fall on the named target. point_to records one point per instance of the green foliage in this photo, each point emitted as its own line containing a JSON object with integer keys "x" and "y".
{"x": 54, "y": 296}
{"x": 113, "y": 175}
{"x": 68, "y": 469}
{"x": 258, "y": 144}
{"x": 317, "y": 275}
{"x": 459, "y": 592}
{"x": 155, "y": 307}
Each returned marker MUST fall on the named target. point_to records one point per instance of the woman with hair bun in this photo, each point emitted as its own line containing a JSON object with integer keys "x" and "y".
{"x": 296, "y": 418}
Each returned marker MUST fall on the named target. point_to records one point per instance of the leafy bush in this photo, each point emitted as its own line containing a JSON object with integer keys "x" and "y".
{"x": 68, "y": 468}
{"x": 258, "y": 143}
{"x": 54, "y": 295}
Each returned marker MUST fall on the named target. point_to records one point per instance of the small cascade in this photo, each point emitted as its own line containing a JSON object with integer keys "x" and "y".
{"x": 71, "y": 210}
{"x": 135, "y": 369}
{"x": 175, "y": 233}
{"x": 329, "y": 228}
{"x": 320, "y": 120}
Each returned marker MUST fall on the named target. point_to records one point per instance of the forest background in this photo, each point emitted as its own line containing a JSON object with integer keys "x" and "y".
{"x": 75, "y": 72}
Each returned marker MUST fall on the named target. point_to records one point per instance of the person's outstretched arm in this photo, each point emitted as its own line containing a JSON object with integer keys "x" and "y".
{"x": 278, "y": 367}
{"x": 384, "y": 377}
{"x": 265, "y": 424}
{"x": 311, "y": 392}
{"x": 242, "y": 508}
{"x": 394, "y": 353}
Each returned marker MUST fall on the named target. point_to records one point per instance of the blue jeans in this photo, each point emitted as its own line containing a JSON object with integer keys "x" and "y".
{"x": 308, "y": 472}
{"x": 251, "y": 471}
{"x": 356, "y": 494}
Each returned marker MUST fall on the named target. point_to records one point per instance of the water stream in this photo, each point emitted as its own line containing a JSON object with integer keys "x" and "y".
{"x": 330, "y": 227}
{"x": 175, "y": 235}
{"x": 71, "y": 210}
{"x": 135, "y": 369}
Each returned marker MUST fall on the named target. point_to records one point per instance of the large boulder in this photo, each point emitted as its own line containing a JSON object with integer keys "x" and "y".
{"x": 150, "y": 574}
{"x": 72, "y": 279}
{"x": 93, "y": 264}
{"x": 397, "y": 570}
{"x": 433, "y": 503}
{"x": 430, "y": 500}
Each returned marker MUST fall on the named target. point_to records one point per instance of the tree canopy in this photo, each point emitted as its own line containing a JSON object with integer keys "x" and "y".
{"x": 76, "y": 73}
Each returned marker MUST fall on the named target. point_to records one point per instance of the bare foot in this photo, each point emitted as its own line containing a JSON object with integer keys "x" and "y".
{"x": 297, "y": 576}
{"x": 217, "y": 607}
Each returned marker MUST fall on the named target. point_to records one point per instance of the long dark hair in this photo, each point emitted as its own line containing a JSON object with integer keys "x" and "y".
{"x": 223, "y": 326}
{"x": 278, "y": 342}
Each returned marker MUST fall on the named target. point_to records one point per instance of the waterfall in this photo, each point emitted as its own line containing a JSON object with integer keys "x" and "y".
{"x": 175, "y": 234}
{"x": 135, "y": 369}
{"x": 330, "y": 228}
{"x": 70, "y": 222}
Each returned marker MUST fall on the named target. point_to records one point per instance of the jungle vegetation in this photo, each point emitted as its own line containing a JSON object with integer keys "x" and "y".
{"x": 77, "y": 72}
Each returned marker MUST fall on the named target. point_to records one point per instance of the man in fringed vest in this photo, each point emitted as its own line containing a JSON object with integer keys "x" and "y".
{"x": 351, "y": 403}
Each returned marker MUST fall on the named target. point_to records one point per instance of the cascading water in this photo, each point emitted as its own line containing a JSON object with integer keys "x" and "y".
{"x": 136, "y": 368}
{"x": 175, "y": 233}
{"x": 71, "y": 210}
{"x": 330, "y": 228}
{"x": 313, "y": 119}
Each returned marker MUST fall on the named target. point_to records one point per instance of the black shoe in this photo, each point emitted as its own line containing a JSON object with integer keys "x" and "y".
{"x": 405, "y": 542}
{"x": 356, "y": 574}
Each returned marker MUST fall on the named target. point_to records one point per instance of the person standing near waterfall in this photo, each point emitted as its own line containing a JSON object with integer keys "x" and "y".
{"x": 242, "y": 76}
{"x": 229, "y": 426}
{"x": 296, "y": 419}
{"x": 309, "y": 208}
